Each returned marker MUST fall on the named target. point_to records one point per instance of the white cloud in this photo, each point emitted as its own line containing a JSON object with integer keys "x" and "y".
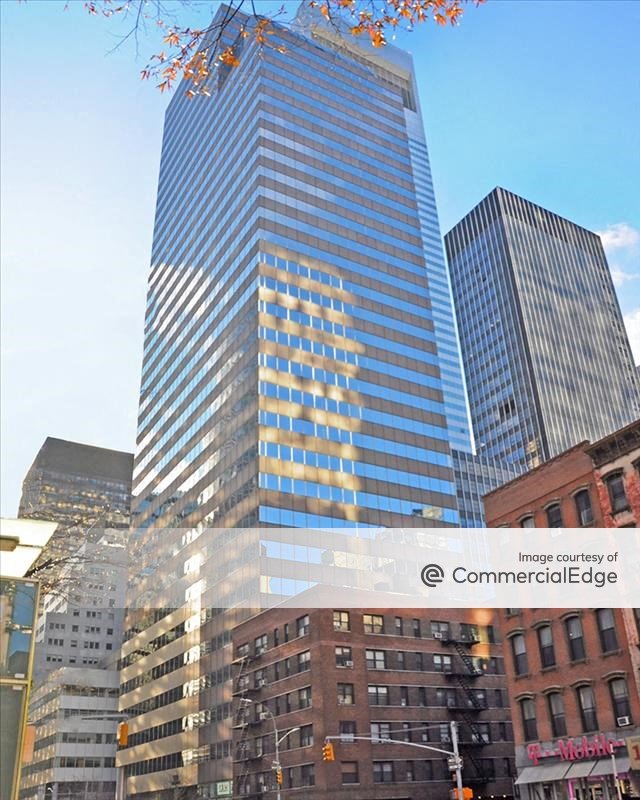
{"x": 620, "y": 236}
{"x": 620, "y": 277}
{"x": 632, "y": 321}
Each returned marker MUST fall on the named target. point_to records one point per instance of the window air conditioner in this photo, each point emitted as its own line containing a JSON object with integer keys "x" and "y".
{"x": 622, "y": 721}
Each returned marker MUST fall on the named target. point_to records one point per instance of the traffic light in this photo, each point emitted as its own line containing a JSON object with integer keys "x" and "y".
{"x": 123, "y": 734}
{"x": 327, "y": 752}
{"x": 279, "y": 777}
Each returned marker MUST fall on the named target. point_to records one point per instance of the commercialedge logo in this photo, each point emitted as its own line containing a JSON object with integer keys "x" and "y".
{"x": 432, "y": 575}
{"x": 566, "y": 575}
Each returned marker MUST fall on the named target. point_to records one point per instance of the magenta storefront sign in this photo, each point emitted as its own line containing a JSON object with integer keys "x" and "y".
{"x": 596, "y": 746}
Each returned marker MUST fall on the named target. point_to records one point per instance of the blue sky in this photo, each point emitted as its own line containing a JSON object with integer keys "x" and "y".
{"x": 541, "y": 96}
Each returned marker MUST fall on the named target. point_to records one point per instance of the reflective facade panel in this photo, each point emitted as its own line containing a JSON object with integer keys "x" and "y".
{"x": 547, "y": 359}
{"x": 300, "y": 365}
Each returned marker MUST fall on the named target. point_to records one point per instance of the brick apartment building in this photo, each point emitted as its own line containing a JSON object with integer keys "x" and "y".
{"x": 574, "y": 674}
{"x": 589, "y": 485}
{"x": 399, "y": 674}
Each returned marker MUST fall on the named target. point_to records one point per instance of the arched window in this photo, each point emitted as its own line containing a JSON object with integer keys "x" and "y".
{"x": 620, "y": 700}
{"x": 575, "y": 638}
{"x": 556, "y": 714}
{"x": 529, "y": 724}
{"x": 584, "y": 509}
{"x": 554, "y": 516}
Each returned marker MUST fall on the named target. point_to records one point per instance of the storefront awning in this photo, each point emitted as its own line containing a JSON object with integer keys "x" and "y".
{"x": 580, "y": 769}
{"x": 544, "y": 773}
{"x": 605, "y": 767}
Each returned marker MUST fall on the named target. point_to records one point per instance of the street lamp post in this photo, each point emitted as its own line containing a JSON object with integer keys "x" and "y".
{"x": 278, "y": 741}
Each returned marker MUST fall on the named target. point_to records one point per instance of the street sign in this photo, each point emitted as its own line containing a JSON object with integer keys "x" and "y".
{"x": 454, "y": 762}
{"x": 633, "y": 746}
{"x": 224, "y": 788}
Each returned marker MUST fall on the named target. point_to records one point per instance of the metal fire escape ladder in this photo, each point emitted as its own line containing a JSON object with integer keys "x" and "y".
{"x": 464, "y": 676}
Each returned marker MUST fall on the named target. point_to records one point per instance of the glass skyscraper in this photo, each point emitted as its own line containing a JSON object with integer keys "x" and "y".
{"x": 300, "y": 366}
{"x": 547, "y": 359}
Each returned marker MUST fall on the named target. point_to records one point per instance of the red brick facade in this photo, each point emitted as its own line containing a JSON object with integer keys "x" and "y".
{"x": 398, "y": 674}
{"x": 574, "y": 673}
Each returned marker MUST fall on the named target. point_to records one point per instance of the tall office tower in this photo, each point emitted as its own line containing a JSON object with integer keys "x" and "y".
{"x": 547, "y": 359}
{"x": 291, "y": 372}
{"x": 82, "y": 488}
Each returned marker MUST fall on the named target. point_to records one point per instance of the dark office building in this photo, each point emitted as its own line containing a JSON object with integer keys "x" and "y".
{"x": 82, "y": 488}
{"x": 546, "y": 355}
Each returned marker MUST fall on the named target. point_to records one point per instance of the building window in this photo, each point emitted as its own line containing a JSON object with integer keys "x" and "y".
{"x": 302, "y": 625}
{"x": 344, "y": 657}
{"x": 345, "y": 694}
{"x": 584, "y": 510}
{"x": 304, "y": 661}
{"x": 607, "y": 630}
{"x": 545, "y": 641}
{"x": 519, "y": 650}
{"x": 554, "y": 516}
{"x": 617, "y": 494}
{"x": 439, "y": 630}
{"x": 415, "y": 627}
{"x": 398, "y": 626}
{"x": 556, "y": 714}
{"x": 378, "y": 695}
{"x": 529, "y": 724}
{"x": 442, "y": 663}
{"x": 380, "y": 731}
{"x": 587, "y": 703}
{"x": 575, "y": 638}
{"x": 404, "y": 695}
{"x": 383, "y": 772}
{"x": 528, "y": 522}
{"x": 620, "y": 700}
{"x": 347, "y": 731}
{"x": 373, "y": 623}
{"x": 341, "y": 621}
{"x": 260, "y": 644}
{"x": 306, "y": 736}
{"x": 307, "y": 775}
{"x": 349, "y": 772}
{"x": 376, "y": 659}
{"x": 400, "y": 657}
{"x": 304, "y": 697}
{"x": 411, "y": 771}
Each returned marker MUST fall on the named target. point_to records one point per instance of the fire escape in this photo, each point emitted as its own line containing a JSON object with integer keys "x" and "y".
{"x": 464, "y": 672}
{"x": 248, "y": 752}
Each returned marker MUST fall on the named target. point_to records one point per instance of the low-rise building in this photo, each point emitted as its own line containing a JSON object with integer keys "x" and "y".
{"x": 75, "y": 712}
{"x": 304, "y": 675}
{"x": 590, "y": 485}
{"x": 574, "y": 674}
